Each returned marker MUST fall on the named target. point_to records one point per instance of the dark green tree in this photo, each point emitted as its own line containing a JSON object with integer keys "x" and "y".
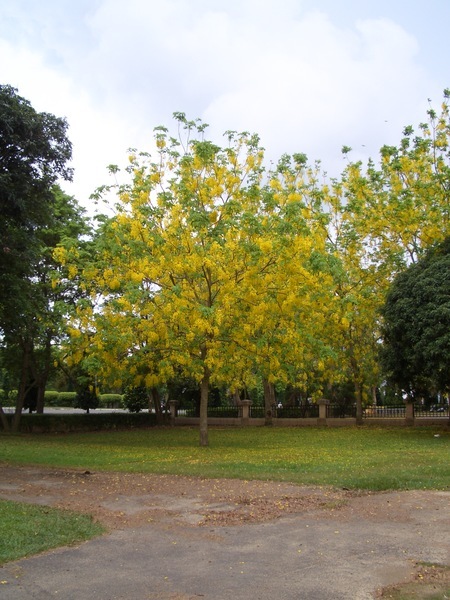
{"x": 48, "y": 296}
{"x": 416, "y": 332}
{"x": 34, "y": 152}
{"x": 36, "y": 216}
{"x": 136, "y": 398}
{"x": 86, "y": 398}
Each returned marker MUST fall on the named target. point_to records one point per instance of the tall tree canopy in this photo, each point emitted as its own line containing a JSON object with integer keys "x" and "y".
{"x": 402, "y": 206}
{"x": 416, "y": 332}
{"x": 48, "y": 294}
{"x": 384, "y": 216}
{"x": 34, "y": 152}
{"x": 36, "y": 216}
{"x": 204, "y": 271}
{"x": 219, "y": 270}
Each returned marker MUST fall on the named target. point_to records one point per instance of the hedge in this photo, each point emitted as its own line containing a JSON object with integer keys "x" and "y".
{"x": 66, "y": 398}
{"x": 85, "y": 422}
{"x": 51, "y": 398}
{"x": 111, "y": 400}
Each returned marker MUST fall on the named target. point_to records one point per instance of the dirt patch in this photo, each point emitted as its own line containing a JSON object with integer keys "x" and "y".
{"x": 429, "y": 582}
{"x": 120, "y": 500}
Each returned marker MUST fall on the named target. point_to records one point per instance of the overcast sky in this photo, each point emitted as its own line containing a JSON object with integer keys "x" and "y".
{"x": 306, "y": 75}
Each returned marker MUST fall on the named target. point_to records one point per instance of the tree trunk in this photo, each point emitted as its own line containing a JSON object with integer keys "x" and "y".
{"x": 42, "y": 377}
{"x": 204, "y": 391}
{"x": 40, "y": 397}
{"x": 21, "y": 392}
{"x": 357, "y": 380}
{"x": 269, "y": 401}
{"x": 236, "y": 398}
{"x": 157, "y": 404}
{"x": 4, "y": 421}
{"x": 359, "y": 409}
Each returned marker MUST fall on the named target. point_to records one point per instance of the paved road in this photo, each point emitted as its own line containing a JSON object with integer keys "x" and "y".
{"x": 345, "y": 556}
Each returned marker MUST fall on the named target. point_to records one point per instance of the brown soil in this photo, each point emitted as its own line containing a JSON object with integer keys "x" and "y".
{"x": 430, "y": 582}
{"x": 120, "y": 500}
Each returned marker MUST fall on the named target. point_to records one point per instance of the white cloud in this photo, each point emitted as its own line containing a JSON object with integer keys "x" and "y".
{"x": 98, "y": 137}
{"x": 302, "y": 80}
{"x": 324, "y": 87}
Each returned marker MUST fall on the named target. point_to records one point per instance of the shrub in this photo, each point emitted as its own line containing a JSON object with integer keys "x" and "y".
{"x": 51, "y": 398}
{"x": 9, "y": 396}
{"x": 86, "y": 399}
{"x": 67, "y": 398}
{"x": 65, "y": 423}
{"x": 111, "y": 400}
{"x": 136, "y": 399}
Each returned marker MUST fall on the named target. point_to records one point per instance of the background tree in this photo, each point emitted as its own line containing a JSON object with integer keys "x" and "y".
{"x": 48, "y": 296}
{"x": 402, "y": 207}
{"x": 383, "y": 218}
{"x": 359, "y": 288}
{"x": 286, "y": 305}
{"x": 86, "y": 398}
{"x": 34, "y": 151}
{"x": 136, "y": 399}
{"x": 416, "y": 327}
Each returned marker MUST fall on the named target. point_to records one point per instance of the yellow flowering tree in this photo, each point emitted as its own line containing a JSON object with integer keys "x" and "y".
{"x": 206, "y": 270}
{"x": 385, "y": 217}
{"x": 360, "y": 284}
{"x": 403, "y": 206}
{"x": 285, "y": 329}
{"x": 216, "y": 270}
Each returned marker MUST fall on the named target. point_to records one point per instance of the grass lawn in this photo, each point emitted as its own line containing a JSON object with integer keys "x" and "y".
{"x": 365, "y": 457}
{"x": 26, "y": 529}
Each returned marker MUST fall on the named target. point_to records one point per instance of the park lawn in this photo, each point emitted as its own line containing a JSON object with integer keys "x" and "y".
{"x": 26, "y": 529}
{"x": 369, "y": 458}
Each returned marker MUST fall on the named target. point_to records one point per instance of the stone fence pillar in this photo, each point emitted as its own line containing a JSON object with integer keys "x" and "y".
{"x": 173, "y": 407}
{"x": 323, "y": 409}
{"x": 245, "y": 418}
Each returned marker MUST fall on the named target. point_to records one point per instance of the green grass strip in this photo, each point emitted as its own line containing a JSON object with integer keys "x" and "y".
{"x": 355, "y": 457}
{"x": 26, "y": 529}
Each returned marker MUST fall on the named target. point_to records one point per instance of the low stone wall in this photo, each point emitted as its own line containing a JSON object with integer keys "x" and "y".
{"x": 333, "y": 422}
{"x": 323, "y": 420}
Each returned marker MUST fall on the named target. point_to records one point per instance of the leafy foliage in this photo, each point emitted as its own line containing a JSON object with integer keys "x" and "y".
{"x": 205, "y": 272}
{"x": 86, "y": 399}
{"x": 36, "y": 216}
{"x": 217, "y": 270}
{"x": 416, "y": 351}
{"x": 34, "y": 151}
{"x": 136, "y": 399}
